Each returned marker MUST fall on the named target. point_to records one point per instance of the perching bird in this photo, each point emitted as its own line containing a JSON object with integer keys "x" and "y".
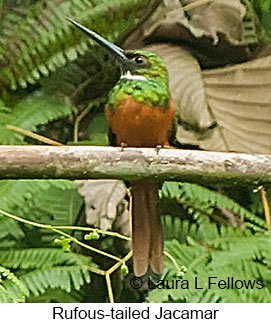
{"x": 140, "y": 113}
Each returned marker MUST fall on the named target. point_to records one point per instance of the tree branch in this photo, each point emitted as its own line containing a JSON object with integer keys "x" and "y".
{"x": 86, "y": 162}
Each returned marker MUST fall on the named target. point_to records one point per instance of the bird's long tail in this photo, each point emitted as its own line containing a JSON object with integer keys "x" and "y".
{"x": 147, "y": 236}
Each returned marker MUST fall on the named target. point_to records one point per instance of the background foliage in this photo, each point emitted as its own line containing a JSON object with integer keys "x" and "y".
{"x": 54, "y": 82}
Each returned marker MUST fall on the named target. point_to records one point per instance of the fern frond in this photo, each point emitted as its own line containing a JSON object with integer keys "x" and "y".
{"x": 251, "y": 34}
{"x": 78, "y": 79}
{"x": 10, "y": 228}
{"x": 7, "y": 296}
{"x": 44, "y": 41}
{"x": 188, "y": 256}
{"x": 225, "y": 253}
{"x": 62, "y": 277}
{"x": 41, "y": 257}
{"x": 173, "y": 228}
{"x": 28, "y": 114}
{"x": 13, "y": 193}
{"x": 56, "y": 296}
{"x": 55, "y": 202}
{"x": 45, "y": 268}
{"x": 55, "y": 206}
{"x": 262, "y": 8}
{"x": 202, "y": 201}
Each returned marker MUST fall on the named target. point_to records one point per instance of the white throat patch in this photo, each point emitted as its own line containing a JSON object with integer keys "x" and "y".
{"x": 129, "y": 76}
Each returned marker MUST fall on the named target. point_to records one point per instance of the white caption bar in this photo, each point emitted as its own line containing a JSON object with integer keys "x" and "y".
{"x": 56, "y": 313}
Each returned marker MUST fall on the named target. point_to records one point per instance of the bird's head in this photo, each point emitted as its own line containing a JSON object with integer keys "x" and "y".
{"x": 134, "y": 64}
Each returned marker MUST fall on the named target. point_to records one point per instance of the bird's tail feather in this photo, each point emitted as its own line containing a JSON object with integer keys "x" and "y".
{"x": 147, "y": 236}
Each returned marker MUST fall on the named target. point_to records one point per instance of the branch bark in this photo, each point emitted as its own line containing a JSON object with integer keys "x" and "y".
{"x": 91, "y": 162}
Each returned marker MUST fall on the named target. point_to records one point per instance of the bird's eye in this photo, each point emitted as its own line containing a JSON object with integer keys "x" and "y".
{"x": 140, "y": 60}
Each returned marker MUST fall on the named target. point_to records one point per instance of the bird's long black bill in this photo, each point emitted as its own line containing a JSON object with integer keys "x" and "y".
{"x": 115, "y": 50}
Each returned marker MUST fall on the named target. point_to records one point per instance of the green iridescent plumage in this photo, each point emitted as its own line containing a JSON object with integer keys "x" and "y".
{"x": 140, "y": 114}
{"x": 153, "y": 90}
{"x": 144, "y": 74}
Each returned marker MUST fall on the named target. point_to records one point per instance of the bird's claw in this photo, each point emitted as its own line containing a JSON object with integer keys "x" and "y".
{"x": 123, "y": 146}
{"x": 157, "y": 149}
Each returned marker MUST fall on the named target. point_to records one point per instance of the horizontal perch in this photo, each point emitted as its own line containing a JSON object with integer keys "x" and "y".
{"x": 91, "y": 162}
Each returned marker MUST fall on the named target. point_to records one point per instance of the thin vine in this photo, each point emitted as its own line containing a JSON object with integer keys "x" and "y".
{"x": 66, "y": 239}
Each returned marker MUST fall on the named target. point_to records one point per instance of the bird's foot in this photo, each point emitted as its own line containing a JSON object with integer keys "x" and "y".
{"x": 158, "y": 148}
{"x": 123, "y": 146}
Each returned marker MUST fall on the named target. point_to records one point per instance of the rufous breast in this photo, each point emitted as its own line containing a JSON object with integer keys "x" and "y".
{"x": 139, "y": 125}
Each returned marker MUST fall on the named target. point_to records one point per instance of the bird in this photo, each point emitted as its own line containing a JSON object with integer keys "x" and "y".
{"x": 140, "y": 113}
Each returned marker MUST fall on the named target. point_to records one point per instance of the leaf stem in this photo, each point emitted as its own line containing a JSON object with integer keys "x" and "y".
{"x": 77, "y": 122}
{"x": 109, "y": 287}
{"x": 109, "y": 233}
{"x": 266, "y": 207}
{"x": 33, "y": 135}
{"x": 117, "y": 265}
{"x": 67, "y": 227}
{"x": 52, "y": 228}
{"x": 110, "y": 271}
{"x": 172, "y": 259}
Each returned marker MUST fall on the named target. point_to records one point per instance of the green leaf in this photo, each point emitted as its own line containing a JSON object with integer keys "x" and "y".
{"x": 28, "y": 114}
{"x": 43, "y": 41}
{"x": 42, "y": 269}
{"x": 55, "y": 202}
{"x": 98, "y": 129}
{"x": 9, "y": 296}
{"x": 31, "y": 258}
{"x": 228, "y": 254}
{"x": 203, "y": 202}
